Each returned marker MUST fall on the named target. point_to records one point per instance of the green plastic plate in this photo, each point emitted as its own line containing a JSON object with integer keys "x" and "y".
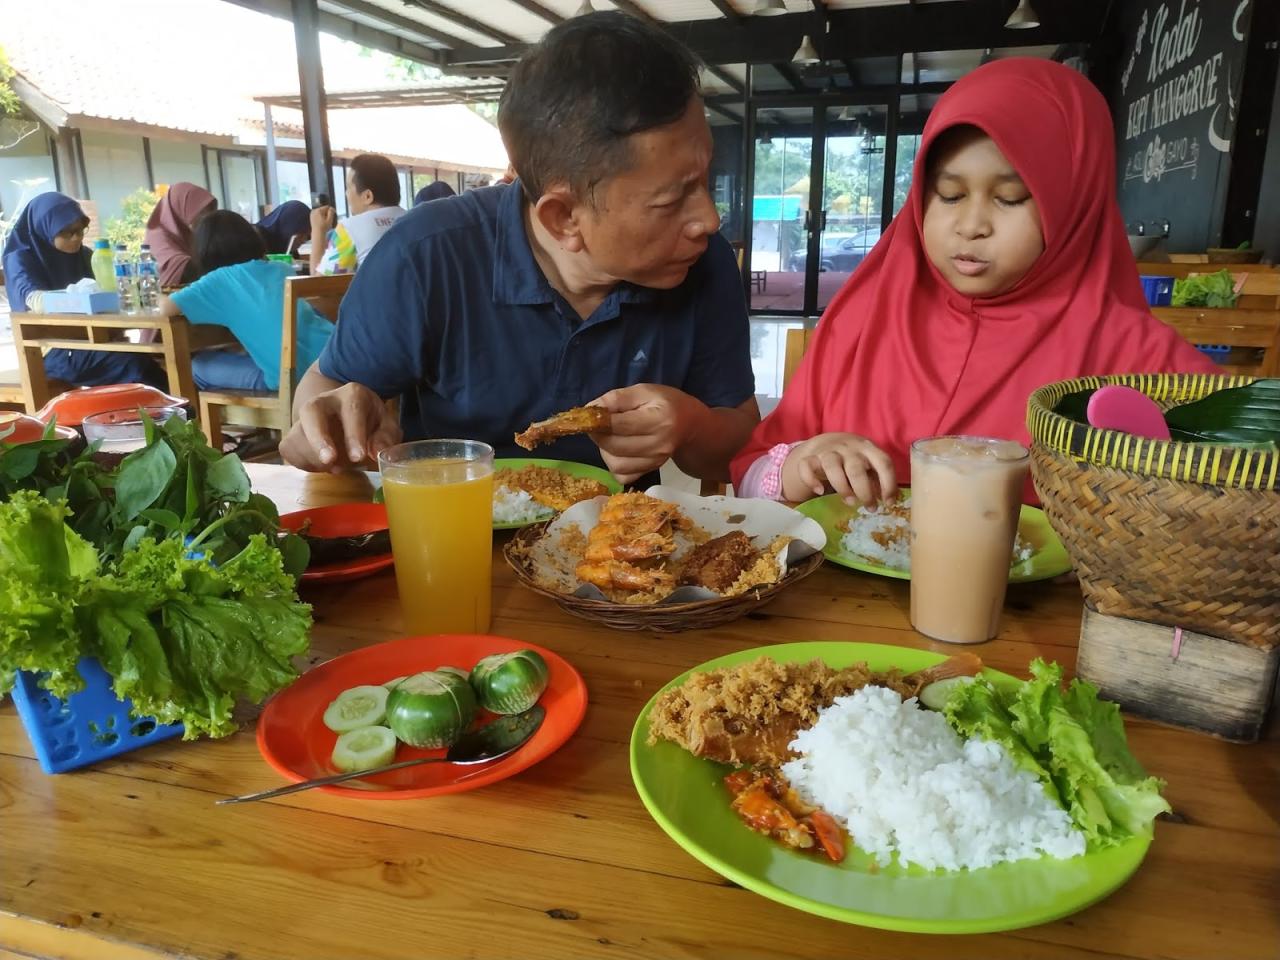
{"x": 1049, "y": 560}
{"x": 564, "y": 466}
{"x": 685, "y": 796}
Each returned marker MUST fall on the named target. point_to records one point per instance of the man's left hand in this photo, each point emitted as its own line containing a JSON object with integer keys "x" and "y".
{"x": 649, "y": 424}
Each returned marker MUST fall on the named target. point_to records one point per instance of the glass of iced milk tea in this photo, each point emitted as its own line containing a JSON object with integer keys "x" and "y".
{"x": 966, "y": 494}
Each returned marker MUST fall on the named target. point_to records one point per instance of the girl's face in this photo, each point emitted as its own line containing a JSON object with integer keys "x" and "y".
{"x": 981, "y": 224}
{"x": 71, "y": 239}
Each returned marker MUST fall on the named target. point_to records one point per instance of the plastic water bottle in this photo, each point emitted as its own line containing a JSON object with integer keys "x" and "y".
{"x": 148, "y": 281}
{"x": 126, "y": 285}
{"x": 102, "y": 263}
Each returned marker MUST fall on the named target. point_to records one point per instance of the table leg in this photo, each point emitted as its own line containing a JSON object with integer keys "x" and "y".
{"x": 177, "y": 361}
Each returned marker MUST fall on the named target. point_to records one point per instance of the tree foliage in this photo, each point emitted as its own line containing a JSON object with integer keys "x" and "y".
{"x": 129, "y": 227}
{"x": 9, "y": 103}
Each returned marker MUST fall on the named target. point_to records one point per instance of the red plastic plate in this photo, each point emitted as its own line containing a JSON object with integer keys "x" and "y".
{"x": 294, "y": 740}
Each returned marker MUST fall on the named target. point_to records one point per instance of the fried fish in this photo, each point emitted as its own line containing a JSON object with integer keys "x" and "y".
{"x": 567, "y": 423}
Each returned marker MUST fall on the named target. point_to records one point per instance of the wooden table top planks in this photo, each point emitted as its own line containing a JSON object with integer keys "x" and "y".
{"x": 130, "y": 859}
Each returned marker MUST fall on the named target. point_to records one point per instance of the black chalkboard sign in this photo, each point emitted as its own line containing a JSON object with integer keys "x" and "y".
{"x": 1175, "y": 111}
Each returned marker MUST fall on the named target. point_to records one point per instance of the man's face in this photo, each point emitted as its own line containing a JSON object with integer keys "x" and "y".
{"x": 358, "y": 201}
{"x": 651, "y": 222}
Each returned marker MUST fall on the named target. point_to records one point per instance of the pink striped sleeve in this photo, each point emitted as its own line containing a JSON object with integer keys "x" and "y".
{"x": 763, "y": 478}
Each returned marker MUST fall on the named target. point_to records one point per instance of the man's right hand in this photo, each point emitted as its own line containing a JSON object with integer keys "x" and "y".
{"x": 323, "y": 219}
{"x": 340, "y": 428}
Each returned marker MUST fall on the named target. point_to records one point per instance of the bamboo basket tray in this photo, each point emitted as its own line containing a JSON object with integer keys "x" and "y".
{"x": 1180, "y": 534}
{"x": 655, "y": 617}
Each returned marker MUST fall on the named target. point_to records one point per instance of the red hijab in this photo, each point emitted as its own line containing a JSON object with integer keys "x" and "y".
{"x": 169, "y": 228}
{"x": 900, "y": 354}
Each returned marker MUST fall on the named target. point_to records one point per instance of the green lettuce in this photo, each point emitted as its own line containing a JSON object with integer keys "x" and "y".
{"x": 1073, "y": 741}
{"x": 1205, "y": 290}
{"x": 182, "y": 638}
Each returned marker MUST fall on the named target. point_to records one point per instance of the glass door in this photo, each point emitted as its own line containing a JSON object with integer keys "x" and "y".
{"x": 780, "y": 238}
{"x": 852, "y": 197}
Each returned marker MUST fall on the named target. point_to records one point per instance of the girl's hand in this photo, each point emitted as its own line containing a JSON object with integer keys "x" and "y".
{"x": 851, "y": 465}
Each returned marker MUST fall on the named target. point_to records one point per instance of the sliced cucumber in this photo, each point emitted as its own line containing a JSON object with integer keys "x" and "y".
{"x": 358, "y": 707}
{"x": 364, "y": 749}
{"x": 934, "y": 696}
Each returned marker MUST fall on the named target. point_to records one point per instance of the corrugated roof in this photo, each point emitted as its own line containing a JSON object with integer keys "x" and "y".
{"x": 196, "y": 65}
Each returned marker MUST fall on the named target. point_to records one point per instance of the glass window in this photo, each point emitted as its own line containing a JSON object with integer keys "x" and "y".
{"x": 26, "y": 169}
{"x": 241, "y": 176}
{"x": 908, "y": 145}
{"x": 115, "y": 167}
{"x": 340, "y": 189}
{"x": 292, "y": 181}
{"x": 175, "y": 162}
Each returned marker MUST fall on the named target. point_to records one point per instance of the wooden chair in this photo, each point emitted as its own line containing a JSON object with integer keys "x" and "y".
{"x": 266, "y": 408}
{"x": 34, "y": 334}
{"x": 1253, "y": 324}
{"x": 797, "y": 343}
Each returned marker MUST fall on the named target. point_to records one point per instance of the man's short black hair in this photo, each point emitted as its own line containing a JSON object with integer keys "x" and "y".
{"x": 577, "y": 95}
{"x": 372, "y": 171}
{"x": 223, "y": 238}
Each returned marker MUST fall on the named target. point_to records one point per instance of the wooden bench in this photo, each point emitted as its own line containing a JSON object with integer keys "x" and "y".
{"x": 1253, "y": 324}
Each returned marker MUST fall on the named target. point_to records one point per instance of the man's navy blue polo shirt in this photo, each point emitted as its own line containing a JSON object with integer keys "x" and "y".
{"x": 451, "y": 313}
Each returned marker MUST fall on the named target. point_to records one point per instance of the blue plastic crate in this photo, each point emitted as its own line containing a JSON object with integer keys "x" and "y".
{"x": 1158, "y": 290}
{"x": 1217, "y": 351}
{"x": 88, "y": 726}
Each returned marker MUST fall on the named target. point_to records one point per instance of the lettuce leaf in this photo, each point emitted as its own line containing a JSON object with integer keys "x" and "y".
{"x": 182, "y": 638}
{"x": 43, "y": 568}
{"x": 1205, "y": 290}
{"x": 1073, "y": 741}
{"x": 185, "y": 640}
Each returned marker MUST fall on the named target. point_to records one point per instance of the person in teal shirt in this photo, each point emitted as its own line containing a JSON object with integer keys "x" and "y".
{"x": 238, "y": 288}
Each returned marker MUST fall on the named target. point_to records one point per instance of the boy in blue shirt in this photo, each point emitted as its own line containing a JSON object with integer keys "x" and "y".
{"x": 238, "y": 288}
{"x": 598, "y": 276}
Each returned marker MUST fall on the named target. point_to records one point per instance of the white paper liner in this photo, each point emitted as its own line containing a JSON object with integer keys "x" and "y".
{"x": 762, "y": 520}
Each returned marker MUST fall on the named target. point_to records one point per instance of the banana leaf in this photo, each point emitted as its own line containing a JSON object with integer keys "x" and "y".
{"x": 1075, "y": 406}
{"x": 1242, "y": 416}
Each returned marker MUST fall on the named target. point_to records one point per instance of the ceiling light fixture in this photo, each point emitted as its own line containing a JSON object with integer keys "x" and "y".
{"x": 770, "y": 8}
{"x": 1023, "y": 17}
{"x": 807, "y": 52}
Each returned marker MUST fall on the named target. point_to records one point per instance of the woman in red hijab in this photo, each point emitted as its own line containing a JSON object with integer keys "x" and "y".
{"x": 169, "y": 230}
{"x": 1007, "y": 269}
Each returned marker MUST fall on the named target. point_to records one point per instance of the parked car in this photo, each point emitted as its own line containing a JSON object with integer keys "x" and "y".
{"x": 841, "y": 252}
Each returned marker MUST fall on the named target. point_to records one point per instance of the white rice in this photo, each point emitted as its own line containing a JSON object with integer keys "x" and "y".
{"x": 517, "y": 506}
{"x": 896, "y": 531}
{"x": 901, "y": 780}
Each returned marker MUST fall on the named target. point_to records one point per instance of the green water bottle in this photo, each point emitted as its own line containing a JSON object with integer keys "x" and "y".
{"x": 103, "y": 265}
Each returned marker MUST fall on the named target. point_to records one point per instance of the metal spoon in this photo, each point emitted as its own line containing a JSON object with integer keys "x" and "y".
{"x": 497, "y": 739}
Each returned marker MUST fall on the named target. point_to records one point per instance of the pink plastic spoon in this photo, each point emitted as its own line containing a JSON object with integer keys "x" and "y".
{"x": 1127, "y": 410}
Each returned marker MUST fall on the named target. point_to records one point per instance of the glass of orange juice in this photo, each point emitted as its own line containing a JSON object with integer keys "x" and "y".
{"x": 439, "y": 496}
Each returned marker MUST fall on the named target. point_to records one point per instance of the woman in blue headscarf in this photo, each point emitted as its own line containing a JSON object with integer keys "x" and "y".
{"x": 279, "y": 227}
{"x": 45, "y": 251}
{"x": 434, "y": 190}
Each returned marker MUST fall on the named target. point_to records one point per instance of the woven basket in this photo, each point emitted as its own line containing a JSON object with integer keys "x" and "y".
{"x": 1180, "y": 534}
{"x": 655, "y": 617}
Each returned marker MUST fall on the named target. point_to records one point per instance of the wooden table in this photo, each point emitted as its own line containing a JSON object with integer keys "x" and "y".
{"x": 131, "y": 859}
{"x": 176, "y": 339}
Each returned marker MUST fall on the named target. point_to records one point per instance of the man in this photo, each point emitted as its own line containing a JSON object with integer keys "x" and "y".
{"x": 597, "y": 276}
{"x": 373, "y": 199}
